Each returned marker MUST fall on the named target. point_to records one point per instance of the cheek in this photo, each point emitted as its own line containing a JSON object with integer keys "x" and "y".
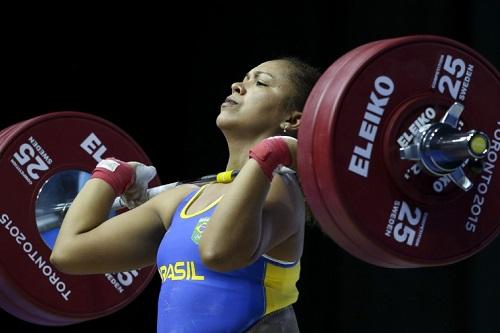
{"x": 265, "y": 102}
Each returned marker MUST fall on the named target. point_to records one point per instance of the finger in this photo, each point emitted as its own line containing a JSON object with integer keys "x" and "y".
{"x": 144, "y": 174}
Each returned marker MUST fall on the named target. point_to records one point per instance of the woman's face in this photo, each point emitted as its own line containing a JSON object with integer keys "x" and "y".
{"x": 256, "y": 104}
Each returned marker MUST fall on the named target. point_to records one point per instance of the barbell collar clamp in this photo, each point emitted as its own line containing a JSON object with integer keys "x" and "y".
{"x": 443, "y": 150}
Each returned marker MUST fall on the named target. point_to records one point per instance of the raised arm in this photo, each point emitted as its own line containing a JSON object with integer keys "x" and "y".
{"x": 253, "y": 217}
{"x": 90, "y": 243}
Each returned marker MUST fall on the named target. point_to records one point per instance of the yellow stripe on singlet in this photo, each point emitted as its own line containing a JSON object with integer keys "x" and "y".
{"x": 280, "y": 284}
{"x": 184, "y": 215}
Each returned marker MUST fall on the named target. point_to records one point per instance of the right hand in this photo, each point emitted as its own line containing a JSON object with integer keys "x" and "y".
{"x": 292, "y": 147}
{"x": 136, "y": 194}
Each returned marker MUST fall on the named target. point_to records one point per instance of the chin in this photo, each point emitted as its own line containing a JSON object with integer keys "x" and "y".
{"x": 225, "y": 123}
{"x": 220, "y": 121}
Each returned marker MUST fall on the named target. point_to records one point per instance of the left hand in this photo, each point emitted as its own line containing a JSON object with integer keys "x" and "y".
{"x": 136, "y": 194}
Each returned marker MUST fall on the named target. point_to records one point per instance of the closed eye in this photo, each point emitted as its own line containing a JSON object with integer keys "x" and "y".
{"x": 260, "y": 83}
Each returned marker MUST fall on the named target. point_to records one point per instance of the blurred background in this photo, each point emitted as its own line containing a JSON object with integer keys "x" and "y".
{"x": 161, "y": 73}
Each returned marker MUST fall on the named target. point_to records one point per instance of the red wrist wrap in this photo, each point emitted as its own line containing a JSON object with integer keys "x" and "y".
{"x": 116, "y": 173}
{"x": 270, "y": 153}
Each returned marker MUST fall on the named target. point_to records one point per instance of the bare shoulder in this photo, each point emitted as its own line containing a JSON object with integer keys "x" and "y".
{"x": 285, "y": 202}
{"x": 284, "y": 219}
{"x": 286, "y": 189}
{"x": 167, "y": 202}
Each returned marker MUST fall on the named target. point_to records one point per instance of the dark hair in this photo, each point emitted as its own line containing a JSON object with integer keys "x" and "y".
{"x": 304, "y": 77}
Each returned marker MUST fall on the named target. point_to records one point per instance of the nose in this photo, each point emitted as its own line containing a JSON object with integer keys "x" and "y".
{"x": 238, "y": 88}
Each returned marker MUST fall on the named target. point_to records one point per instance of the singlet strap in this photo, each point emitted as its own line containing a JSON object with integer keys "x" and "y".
{"x": 184, "y": 213}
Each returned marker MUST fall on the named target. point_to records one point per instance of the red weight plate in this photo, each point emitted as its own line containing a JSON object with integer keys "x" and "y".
{"x": 372, "y": 195}
{"x": 319, "y": 97}
{"x": 31, "y": 154}
{"x": 366, "y": 251}
{"x": 5, "y": 133}
{"x": 20, "y": 307}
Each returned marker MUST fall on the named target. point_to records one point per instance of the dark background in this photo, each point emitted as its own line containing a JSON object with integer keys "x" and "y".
{"x": 161, "y": 75}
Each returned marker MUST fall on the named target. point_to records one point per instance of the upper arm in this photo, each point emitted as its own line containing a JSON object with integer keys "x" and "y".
{"x": 126, "y": 241}
{"x": 283, "y": 214}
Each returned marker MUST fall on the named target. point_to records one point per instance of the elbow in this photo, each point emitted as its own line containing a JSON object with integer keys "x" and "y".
{"x": 222, "y": 261}
{"x": 62, "y": 263}
{"x": 213, "y": 260}
{"x": 57, "y": 262}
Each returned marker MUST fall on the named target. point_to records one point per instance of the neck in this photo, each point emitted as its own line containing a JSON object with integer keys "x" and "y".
{"x": 238, "y": 155}
{"x": 239, "y": 148}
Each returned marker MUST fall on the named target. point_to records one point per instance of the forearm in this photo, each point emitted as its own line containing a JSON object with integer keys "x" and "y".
{"x": 89, "y": 209}
{"x": 234, "y": 231}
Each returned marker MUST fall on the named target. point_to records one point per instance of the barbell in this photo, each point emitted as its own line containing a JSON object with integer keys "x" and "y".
{"x": 397, "y": 155}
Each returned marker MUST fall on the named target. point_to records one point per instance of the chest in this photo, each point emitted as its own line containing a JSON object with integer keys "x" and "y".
{"x": 206, "y": 197}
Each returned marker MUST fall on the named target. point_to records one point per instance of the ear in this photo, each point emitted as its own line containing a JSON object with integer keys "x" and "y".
{"x": 294, "y": 120}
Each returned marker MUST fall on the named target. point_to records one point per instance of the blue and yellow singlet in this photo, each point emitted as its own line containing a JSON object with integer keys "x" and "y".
{"x": 194, "y": 298}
